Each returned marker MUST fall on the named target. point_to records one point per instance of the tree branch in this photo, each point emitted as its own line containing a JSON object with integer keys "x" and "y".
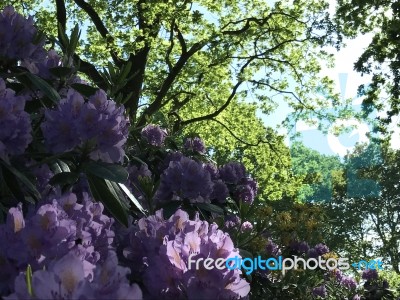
{"x": 171, "y": 46}
{"x": 61, "y": 18}
{"x": 218, "y": 111}
{"x": 181, "y": 39}
{"x": 61, "y": 13}
{"x": 258, "y": 21}
{"x": 168, "y": 82}
{"x": 91, "y": 71}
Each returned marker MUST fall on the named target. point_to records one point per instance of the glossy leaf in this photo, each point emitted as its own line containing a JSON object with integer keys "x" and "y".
{"x": 108, "y": 171}
{"x": 84, "y": 89}
{"x": 101, "y": 192}
{"x": 24, "y": 180}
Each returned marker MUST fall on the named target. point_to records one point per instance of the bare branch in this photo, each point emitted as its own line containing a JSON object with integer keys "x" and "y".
{"x": 94, "y": 16}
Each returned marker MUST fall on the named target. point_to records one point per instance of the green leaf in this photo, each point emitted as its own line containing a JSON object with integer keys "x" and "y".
{"x": 84, "y": 89}
{"x": 58, "y": 166}
{"x": 74, "y": 40}
{"x": 64, "y": 178}
{"x": 42, "y": 85}
{"x": 28, "y": 184}
{"x": 132, "y": 197}
{"x": 108, "y": 171}
{"x": 64, "y": 39}
{"x": 60, "y": 71}
{"x": 101, "y": 192}
{"x": 115, "y": 188}
{"x": 11, "y": 183}
{"x": 210, "y": 207}
{"x": 29, "y": 280}
{"x": 124, "y": 72}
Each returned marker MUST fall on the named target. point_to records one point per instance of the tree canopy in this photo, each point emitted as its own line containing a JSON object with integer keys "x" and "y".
{"x": 366, "y": 223}
{"x": 381, "y": 58}
{"x": 197, "y": 56}
{"x": 205, "y": 67}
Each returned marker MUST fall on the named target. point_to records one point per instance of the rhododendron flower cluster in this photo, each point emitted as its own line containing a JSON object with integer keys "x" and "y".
{"x": 195, "y": 144}
{"x": 42, "y": 65}
{"x": 97, "y": 124}
{"x": 17, "y": 36}
{"x": 56, "y": 228}
{"x": 159, "y": 250}
{"x": 15, "y": 124}
{"x": 154, "y": 135}
{"x": 346, "y": 281}
{"x": 65, "y": 279}
{"x": 187, "y": 178}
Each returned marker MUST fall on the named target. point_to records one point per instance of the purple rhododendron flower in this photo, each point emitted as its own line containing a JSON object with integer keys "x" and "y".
{"x": 231, "y": 221}
{"x": 319, "y": 250}
{"x": 246, "y": 191}
{"x": 320, "y": 291}
{"x": 232, "y": 172}
{"x": 369, "y": 274}
{"x": 220, "y": 191}
{"x": 212, "y": 169}
{"x": 195, "y": 144}
{"x": 154, "y": 135}
{"x": 299, "y": 247}
{"x": 15, "y": 123}
{"x": 65, "y": 279}
{"x": 184, "y": 179}
{"x": 99, "y": 123}
{"x": 170, "y": 157}
{"x": 42, "y": 66}
{"x": 246, "y": 226}
{"x": 56, "y": 227}
{"x": 348, "y": 282}
{"x": 17, "y": 35}
{"x": 164, "y": 246}
{"x": 272, "y": 249}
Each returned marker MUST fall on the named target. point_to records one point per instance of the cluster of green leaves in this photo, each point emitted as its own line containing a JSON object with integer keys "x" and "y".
{"x": 319, "y": 173}
{"x": 380, "y": 59}
{"x": 194, "y": 59}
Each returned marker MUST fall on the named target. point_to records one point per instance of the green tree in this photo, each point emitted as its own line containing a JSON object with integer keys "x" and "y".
{"x": 381, "y": 58}
{"x": 194, "y": 66}
{"x": 318, "y": 173}
{"x": 197, "y": 56}
{"x": 238, "y": 135}
{"x": 365, "y": 224}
